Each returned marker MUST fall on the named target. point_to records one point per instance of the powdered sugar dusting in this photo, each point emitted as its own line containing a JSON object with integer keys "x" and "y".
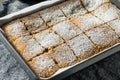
{"x": 52, "y": 15}
{"x": 72, "y": 7}
{"x": 48, "y": 38}
{"x": 103, "y": 36}
{"x": 91, "y": 5}
{"x": 115, "y": 25}
{"x": 66, "y": 30}
{"x": 87, "y": 21}
{"x": 63, "y": 55}
{"x": 81, "y": 45}
{"x": 107, "y": 12}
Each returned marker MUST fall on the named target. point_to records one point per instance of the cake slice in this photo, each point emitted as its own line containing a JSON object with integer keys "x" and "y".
{"x": 107, "y": 12}
{"x": 82, "y": 46}
{"x": 87, "y": 21}
{"x": 20, "y": 43}
{"x": 91, "y": 5}
{"x": 34, "y": 23}
{"x": 103, "y": 36}
{"x": 14, "y": 30}
{"x": 66, "y": 30}
{"x": 72, "y": 8}
{"x": 52, "y": 15}
{"x": 115, "y": 24}
{"x": 43, "y": 65}
{"x": 63, "y": 55}
{"x": 32, "y": 49}
{"x": 48, "y": 38}
{"x": 28, "y": 47}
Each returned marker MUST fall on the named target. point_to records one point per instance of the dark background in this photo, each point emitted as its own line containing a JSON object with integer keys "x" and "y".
{"x": 107, "y": 69}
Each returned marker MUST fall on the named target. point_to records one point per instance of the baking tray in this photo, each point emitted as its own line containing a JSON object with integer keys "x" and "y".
{"x": 63, "y": 72}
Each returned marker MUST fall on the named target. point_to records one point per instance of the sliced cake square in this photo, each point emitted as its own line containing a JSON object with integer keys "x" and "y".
{"x": 82, "y": 46}
{"x": 63, "y": 55}
{"x": 115, "y": 24}
{"x": 28, "y": 47}
{"x": 32, "y": 49}
{"x": 48, "y": 38}
{"x": 91, "y": 5}
{"x": 66, "y": 30}
{"x": 14, "y": 30}
{"x": 44, "y": 65}
{"x": 72, "y": 8}
{"x": 34, "y": 23}
{"x": 107, "y": 12}
{"x": 103, "y": 36}
{"x": 87, "y": 21}
{"x": 52, "y": 15}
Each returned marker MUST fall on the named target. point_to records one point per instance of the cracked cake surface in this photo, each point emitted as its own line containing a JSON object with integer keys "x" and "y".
{"x": 65, "y": 34}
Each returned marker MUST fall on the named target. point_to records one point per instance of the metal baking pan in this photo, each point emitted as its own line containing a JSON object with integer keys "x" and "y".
{"x": 64, "y": 72}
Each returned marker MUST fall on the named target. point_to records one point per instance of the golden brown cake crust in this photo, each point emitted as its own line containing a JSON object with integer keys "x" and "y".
{"x": 63, "y": 55}
{"x": 44, "y": 65}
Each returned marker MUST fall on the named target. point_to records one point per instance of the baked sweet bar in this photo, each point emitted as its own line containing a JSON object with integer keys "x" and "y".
{"x": 103, "y": 36}
{"x": 65, "y": 27}
{"x": 28, "y": 47}
{"x": 63, "y": 55}
{"x": 14, "y": 30}
{"x": 58, "y": 37}
{"x": 107, "y": 12}
{"x": 91, "y": 5}
{"x": 87, "y": 21}
{"x": 82, "y": 46}
{"x": 34, "y": 23}
{"x": 72, "y": 8}
{"x": 52, "y": 15}
{"x": 115, "y": 24}
{"x": 48, "y": 38}
{"x": 44, "y": 65}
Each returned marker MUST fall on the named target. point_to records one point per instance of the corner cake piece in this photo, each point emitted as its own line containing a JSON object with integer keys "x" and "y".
{"x": 48, "y": 38}
{"x": 72, "y": 8}
{"x": 87, "y": 21}
{"x": 28, "y": 47}
{"x": 14, "y": 30}
{"x": 115, "y": 24}
{"x": 66, "y": 30}
{"x": 82, "y": 46}
{"x": 103, "y": 36}
{"x": 44, "y": 65}
{"x": 107, "y": 12}
{"x": 34, "y": 23}
{"x": 91, "y": 5}
{"x": 52, "y": 15}
{"x": 63, "y": 55}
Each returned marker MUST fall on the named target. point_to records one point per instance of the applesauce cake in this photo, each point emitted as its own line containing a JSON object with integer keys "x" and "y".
{"x": 64, "y": 34}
